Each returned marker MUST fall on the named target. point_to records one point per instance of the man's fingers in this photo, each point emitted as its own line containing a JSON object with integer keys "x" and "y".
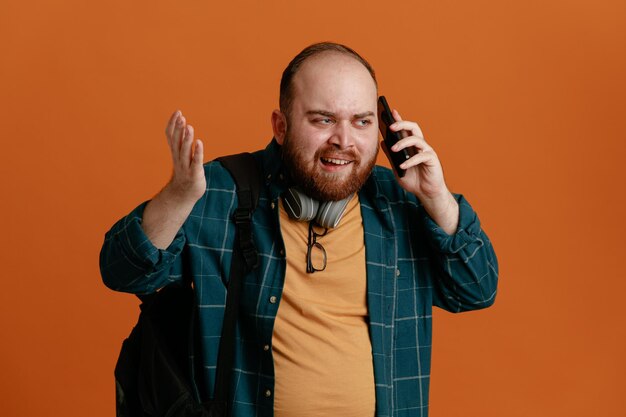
{"x": 177, "y": 137}
{"x": 185, "y": 148}
{"x": 411, "y": 127}
{"x": 198, "y": 154}
{"x": 415, "y": 160}
{"x": 407, "y": 125}
{"x": 169, "y": 128}
{"x": 416, "y": 141}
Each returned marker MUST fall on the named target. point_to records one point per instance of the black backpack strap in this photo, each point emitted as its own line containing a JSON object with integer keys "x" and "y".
{"x": 244, "y": 170}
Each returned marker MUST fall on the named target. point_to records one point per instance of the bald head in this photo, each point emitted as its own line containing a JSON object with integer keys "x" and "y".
{"x": 307, "y": 54}
{"x": 335, "y": 83}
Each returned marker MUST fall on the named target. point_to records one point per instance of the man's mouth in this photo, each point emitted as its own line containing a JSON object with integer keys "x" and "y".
{"x": 334, "y": 161}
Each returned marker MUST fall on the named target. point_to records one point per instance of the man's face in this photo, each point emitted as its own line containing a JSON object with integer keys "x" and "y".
{"x": 331, "y": 141}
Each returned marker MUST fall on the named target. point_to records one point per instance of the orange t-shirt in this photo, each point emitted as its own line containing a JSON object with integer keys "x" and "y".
{"x": 321, "y": 345}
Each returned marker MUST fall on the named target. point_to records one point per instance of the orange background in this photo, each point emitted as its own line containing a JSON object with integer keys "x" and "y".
{"x": 524, "y": 102}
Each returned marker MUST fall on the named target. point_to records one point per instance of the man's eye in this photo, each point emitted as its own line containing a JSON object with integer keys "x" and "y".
{"x": 325, "y": 121}
{"x": 364, "y": 122}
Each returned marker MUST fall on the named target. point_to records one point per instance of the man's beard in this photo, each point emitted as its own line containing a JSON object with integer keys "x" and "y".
{"x": 325, "y": 186}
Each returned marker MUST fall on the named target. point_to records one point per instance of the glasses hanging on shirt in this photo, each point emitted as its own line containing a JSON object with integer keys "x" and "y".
{"x": 315, "y": 254}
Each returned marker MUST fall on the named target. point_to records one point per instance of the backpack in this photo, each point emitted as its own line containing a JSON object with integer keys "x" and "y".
{"x": 158, "y": 371}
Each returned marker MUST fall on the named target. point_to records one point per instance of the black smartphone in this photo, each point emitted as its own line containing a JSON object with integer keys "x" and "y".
{"x": 385, "y": 118}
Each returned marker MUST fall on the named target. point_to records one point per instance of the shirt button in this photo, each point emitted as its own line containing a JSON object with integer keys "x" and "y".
{"x": 397, "y": 272}
{"x": 273, "y": 299}
{"x": 282, "y": 252}
{"x": 266, "y": 348}
{"x": 269, "y": 176}
{"x": 268, "y": 393}
{"x": 272, "y": 205}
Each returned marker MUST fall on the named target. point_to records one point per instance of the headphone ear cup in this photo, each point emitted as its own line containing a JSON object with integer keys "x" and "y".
{"x": 300, "y": 206}
{"x": 330, "y": 212}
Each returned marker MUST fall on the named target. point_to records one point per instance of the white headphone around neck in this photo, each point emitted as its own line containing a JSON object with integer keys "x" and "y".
{"x": 300, "y": 206}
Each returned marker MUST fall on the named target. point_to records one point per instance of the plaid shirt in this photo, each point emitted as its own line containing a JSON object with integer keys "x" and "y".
{"x": 412, "y": 264}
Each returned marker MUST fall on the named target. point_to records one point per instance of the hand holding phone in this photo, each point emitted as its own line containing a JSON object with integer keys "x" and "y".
{"x": 390, "y": 138}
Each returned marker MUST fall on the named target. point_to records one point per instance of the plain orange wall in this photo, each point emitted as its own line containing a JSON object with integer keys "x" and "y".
{"x": 524, "y": 102}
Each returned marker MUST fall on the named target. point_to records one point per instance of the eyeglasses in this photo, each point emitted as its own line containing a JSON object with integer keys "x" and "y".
{"x": 315, "y": 253}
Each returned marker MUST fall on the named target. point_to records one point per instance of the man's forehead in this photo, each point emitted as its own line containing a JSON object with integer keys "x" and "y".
{"x": 336, "y": 106}
{"x": 334, "y": 82}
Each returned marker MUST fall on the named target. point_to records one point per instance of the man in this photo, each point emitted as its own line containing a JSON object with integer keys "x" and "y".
{"x": 349, "y": 335}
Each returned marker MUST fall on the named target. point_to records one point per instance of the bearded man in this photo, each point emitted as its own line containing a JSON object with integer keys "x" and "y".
{"x": 336, "y": 320}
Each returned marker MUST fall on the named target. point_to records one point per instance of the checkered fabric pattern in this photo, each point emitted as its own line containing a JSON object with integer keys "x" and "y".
{"x": 412, "y": 264}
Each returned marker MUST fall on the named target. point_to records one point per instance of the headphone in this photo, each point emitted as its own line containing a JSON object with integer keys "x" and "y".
{"x": 301, "y": 207}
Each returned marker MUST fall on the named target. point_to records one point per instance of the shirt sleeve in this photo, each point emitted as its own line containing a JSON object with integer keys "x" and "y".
{"x": 129, "y": 262}
{"x": 466, "y": 270}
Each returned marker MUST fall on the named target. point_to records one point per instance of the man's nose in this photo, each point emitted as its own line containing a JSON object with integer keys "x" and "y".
{"x": 342, "y": 136}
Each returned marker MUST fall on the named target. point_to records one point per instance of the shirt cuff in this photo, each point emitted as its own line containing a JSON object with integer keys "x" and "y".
{"x": 467, "y": 232}
{"x": 137, "y": 246}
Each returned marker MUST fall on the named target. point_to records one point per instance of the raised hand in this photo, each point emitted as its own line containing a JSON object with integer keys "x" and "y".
{"x": 188, "y": 182}
{"x": 167, "y": 211}
{"x": 424, "y": 175}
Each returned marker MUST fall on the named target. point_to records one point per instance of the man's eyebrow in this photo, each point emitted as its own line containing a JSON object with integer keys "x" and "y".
{"x": 331, "y": 114}
{"x": 363, "y": 115}
{"x": 321, "y": 113}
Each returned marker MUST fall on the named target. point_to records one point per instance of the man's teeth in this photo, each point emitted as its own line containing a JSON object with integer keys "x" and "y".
{"x": 335, "y": 161}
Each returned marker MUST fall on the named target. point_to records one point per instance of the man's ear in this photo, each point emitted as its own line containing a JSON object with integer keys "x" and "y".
{"x": 279, "y": 126}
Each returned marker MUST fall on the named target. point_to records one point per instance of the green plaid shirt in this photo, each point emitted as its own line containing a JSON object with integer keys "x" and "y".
{"x": 412, "y": 264}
